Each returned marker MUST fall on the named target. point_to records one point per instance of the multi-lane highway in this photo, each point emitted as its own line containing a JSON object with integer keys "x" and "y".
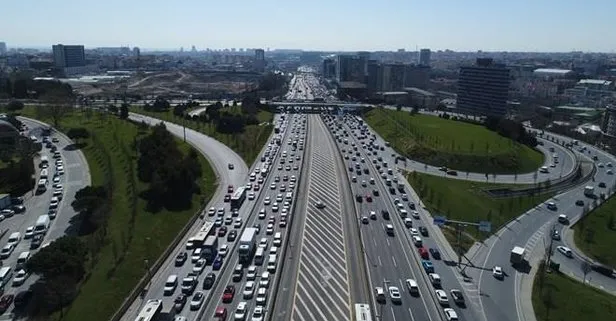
{"x": 66, "y": 173}
{"x": 306, "y": 86}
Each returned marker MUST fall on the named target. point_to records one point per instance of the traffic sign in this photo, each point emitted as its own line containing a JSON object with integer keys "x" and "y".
{"x": 485, "y": 226}
{"x": 440, "y": 220}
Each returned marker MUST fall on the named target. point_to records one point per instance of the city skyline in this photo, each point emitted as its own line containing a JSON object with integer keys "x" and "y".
{"x": 318, "y": 25}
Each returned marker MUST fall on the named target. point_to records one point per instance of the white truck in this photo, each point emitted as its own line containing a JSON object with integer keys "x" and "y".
{"x": 517, "y": 255}
{"x": 247, "y": 245}
{"x": 42, "y": 224}
{"x": 589, "y": 191}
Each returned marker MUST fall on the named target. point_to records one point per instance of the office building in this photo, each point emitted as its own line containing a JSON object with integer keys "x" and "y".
{"x": 608, "y": 125}
{"x": 416, "y": 76}
{"x": 364, "y": 57}
{"x": 424, "y": 57}
{"x": 393, "y": 77}
{"x": 350, "y": 68}
{"x": 374, "y": 81}
{"x": 329, "y": 68}
{"x": 259, "y": 63}
{"x": 2, "y": 48}
{"x": 483, "y": 89}
{"x": 68, "y": 56}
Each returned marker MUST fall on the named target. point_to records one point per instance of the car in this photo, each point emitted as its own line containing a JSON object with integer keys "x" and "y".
{"x": 423, "y": 230}
{"x": 414, "y": 231}
{"x": 265, "y": 280}
{"x": 217, "y": 264}
{"x": 428, "y": 266}
{"x": 423, "y": 253}
{"x": 267, "y": 200}
{"x": 359, "y": 198}
{"x": 262, "y": 214}
{"x": 602, "y": 184}
{"x": 18, "y": 209}
{"x": 435, "y": 253}
{"x": 457, "y": 296}
{"x": 415, "y": 215}
{"x": 237, "y": 223}
{"x": 209, "y": 280}
{"x": 6, "y": 251}
{"x": 394, "y": 294}
{"x": 269, "y": 230}
{"x": 223, "y": 250}
{"x": 261, "y": 296}
{"x": 263, "y": 242}
{"x": 20, "y": 277}
{"x": 179, "y": 302}
{"x": 5, "y": 302}
{"x": 211, "y": 211}
{"x": 450, "y": 314}
{"x": 181, "y": 258}
{"x": 563, "y": 219}
{"x": 364, "y": 220}
{"x": 37, "y": 240}
{"x": 228, "y": 294}
{"x": 556, "y": 235}
{"x": 230, "y": 189}
{"x": 319, "y": 205}
{"x": 222, "y": 231}
{"x": 231, "y": 167}
{"x": 552, "y": 206}
{"x": 258, "y": 313}
{"x": 375, "y": 192}
{"x": 258, "y": 227}
{"x": 368, "y": 198}
{"x": 497, "y": 272}
{"x": 251, "y": 273}
{"x": 199, "y": 266}
{"x": 579, "y": 203}
{"x": 380, "y": 294}
{"x": 442, "y": 298}
{"x": 565, "y": 251}
{"x": 197, "y": 300}
{"x": 249, "y": 290}
{"x": 29, "y": 232}
{"x": 227, "y": 198}
{"x": 220, "y": 314}
{"x": 240, "y": 311}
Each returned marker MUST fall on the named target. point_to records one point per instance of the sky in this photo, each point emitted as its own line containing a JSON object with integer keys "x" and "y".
{"x": 336, "y": 25}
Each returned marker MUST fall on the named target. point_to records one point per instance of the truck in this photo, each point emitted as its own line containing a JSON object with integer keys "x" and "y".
{"x": 589, "y": 191}
{"x": 210, "y": 248}
{"x": 517, "y": 255}
{"x": 247, "y": 245}
{"x": 5, "y": 201}
{"x": 42, "y": 224}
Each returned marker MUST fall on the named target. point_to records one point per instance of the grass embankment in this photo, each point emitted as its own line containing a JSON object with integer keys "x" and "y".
{"x": 119, "y": 265}
{"x": 595, "y": 234}
{"x": 564, "y": 299}
{"x": 247, "y": 144}
{"x": 457, "y": 145}
{"x": 467, "y": 201}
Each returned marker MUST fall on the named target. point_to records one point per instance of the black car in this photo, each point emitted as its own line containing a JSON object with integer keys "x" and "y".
{"x": 602, "y": 184}
{"x": 457, "y": 297}
{"x": 179, "y": 302}
{"x": 232, "y": 236}
{"x": 238, "y": 272}
{"x": 359, "y": 198}
{"x": 181, "y": 258}
{"x": 227, "y": 198}
{"x": 18, "y": 208}
{"x": 209, "y": 280}
{"x": 375, "y": 192}
{"x": 392, "y": 190}
{"x": 423, "y": 230}
{"x": 36, "y": 242}
{"x": 435, "y": 253}
{"x": 579, "y": 203}
{"x": 385, "y": 214}
{"x": 412, "y": 205}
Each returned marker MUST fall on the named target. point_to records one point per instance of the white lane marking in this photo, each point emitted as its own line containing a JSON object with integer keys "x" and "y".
{"x": 394, "y": 260}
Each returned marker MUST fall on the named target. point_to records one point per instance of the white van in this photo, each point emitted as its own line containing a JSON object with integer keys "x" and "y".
{"x": 171, "y": 284}
{"x": 271, "y": 263}
{"x": 259, "y": 256}
{"x": 412, "y": 286}
{"x": 6, "y": 273}
{"x": 14, "y": 238}
{"x": 277, "y": 239}
{"x": 289, "y": 196}
{"x": 22, "y": 259}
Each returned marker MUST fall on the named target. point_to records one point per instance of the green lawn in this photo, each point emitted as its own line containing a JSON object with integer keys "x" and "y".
{"x": 247, "y": 144}
{"x": 595, "y": 234}
{"x": 466, "y": 201}
{"x": 457, "y": 145}
{"x": 564, "y": 299}
{"x": 119, "y": 265}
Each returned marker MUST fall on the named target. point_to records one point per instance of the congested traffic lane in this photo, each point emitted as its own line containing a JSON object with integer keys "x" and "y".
{"x": 277, "y": 178}
{"x": 156, "y": 285}
{"x": 397, "y": 201}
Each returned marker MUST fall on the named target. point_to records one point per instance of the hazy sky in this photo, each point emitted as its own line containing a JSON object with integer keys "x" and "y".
{"x": 516, "y": 25}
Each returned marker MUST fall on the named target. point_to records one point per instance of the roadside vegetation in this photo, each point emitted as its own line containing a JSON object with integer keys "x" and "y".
{"x": 126, "y": 219}
{"x": 558, "y": 297}
{"x": 16, "y": 158}
{"x": 595, "y": 233}
{"x": 245, "y": 128}
{"x": 468, "y": 201}
{"x": 499, "y": 146}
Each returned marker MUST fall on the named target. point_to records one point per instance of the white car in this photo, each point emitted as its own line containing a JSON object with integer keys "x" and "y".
{"x": 251, "y": 196}
{"x": 450, "y": 314}
{"x": 251, "y": 273}
{"x": 319, "y": 204}
{"x": 249, "y": 289}
{"x": 415, "y": 215}
{"x": 269, "y": 230}
{"x": 565, "y": 251}
{"x": 414, "y": 232}
{"x": 6, "y": 251}
{"x": 257, "y": 314}
{"x": 442, "y": 297}
{"x": 261, "y": 296}
{"x": 20, "y": 277}
{"x": 263, "y": 242}
{"x": 199, "y": 266}
{"x": 273, "y": 186}
{"x": 240, "y": 311}
{"x": 394, "y": 294}
{"x": 224, "y": 249}
{"x": 267, "y": 200}
{"x": 237, "y": 223}
{"x": 497, "y": 271}
{"x": 29, "y": 232}
{"x": 262, "y": 214}
{"x": 211, "y": 211}
{"x": 265, "y": 280}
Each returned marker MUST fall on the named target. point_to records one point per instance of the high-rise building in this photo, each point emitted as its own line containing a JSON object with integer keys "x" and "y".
{"x": 424, "y": 57}
{"x": 374, "y": 81}
{"x": 259, "y": 54}
{"x": 329, "y": 68}
{"x": 416, "y": 76}
{"x": 483, "y": 89}
{"x": 259, "y": 63}
{"x": 393, "y": 77}
{"x": 68, "y": 56}
{"x": 364, "y": 56}
{"x": 2, "y": 48}
{"x": 608, "y": 125}
{"x": 350, "y": 68}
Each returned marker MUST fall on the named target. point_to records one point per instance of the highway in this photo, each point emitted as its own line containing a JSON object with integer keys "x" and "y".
{"x": 76, "y": 175}
{"x": 316, "y": 284}
{"x": 282, "y": 174}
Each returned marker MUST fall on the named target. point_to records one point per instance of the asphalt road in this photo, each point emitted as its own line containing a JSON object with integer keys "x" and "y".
{"x": 219, "y": 156}
{"x": 225, "y": 278}
{"x": 76, "y": 176}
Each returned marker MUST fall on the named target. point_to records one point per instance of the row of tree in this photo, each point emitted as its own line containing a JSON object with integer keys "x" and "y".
{"x": 511, "y": 129}
{"x": 171, "y": 174}
{"x": 22, "y": 86}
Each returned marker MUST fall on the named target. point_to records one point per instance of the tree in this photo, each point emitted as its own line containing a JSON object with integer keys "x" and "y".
{"x": 78, "y": 133}
{"x": 14, "y": 105}
{"x": 124, "y": 111}
{"x": 55, "y": 108}
{"x": 610, "y": 222}
{"x": 91, "y": 202}
{"x": 64, "y": 256}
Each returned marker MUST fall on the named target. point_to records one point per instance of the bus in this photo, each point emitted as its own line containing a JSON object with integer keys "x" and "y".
{"x": 151, "y": 311}
{"x": 362, "y": 312}
{"x": 206, "y": 230}
{"x": 238, "y": 197}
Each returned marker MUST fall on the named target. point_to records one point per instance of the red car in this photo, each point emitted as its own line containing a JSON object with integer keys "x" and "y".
{"x": 227, "y": 296}
{"x": 5, "y": 302}
{"x": 368, "y": 198}
{"x": 424, "y": 253}
{"x": 221, "y": 313}
{"x": 222, "y": 231}
{"x": 230, "y": 189}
